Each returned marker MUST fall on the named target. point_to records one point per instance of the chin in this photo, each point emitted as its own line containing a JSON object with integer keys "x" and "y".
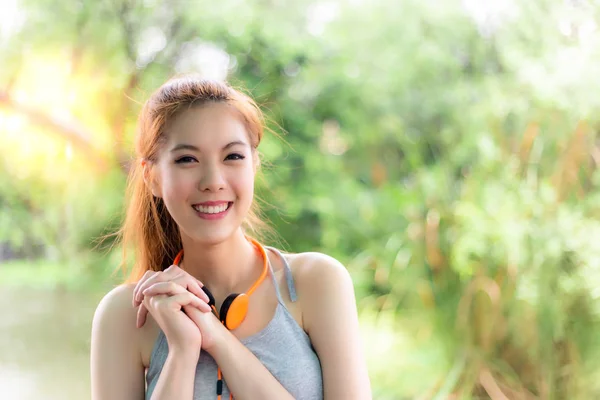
{"x": 213, "y": 237}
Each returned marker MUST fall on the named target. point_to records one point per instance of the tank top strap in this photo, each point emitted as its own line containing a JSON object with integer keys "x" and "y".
{"x": 288, "y": 277}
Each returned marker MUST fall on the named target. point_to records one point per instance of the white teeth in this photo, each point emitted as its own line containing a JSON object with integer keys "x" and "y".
{"x": 212, "y": 209}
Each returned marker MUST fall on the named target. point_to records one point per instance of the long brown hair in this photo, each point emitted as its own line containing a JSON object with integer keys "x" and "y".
{"x": 148, "y": 229}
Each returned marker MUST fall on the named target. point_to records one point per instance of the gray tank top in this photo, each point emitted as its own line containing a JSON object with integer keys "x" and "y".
{"x": 282, "y": 346}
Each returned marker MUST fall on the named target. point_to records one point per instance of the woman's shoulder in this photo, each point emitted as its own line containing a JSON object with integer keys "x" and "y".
{"x": 117, "y": 299}
{"x": 309, "y": 266}
{"x": 318, "y": 278}
{"x": 116, "y": 310}
{"x": 325, "y": 293}
{"x": 116, "y": 317}
{"x": 117, "y": 365}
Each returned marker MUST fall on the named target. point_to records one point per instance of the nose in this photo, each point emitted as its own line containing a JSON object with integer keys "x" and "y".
{"x": 212, "y": 179}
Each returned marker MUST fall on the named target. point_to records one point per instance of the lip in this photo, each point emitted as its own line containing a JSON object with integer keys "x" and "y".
{"x": 213, "y": 216}
{"x": 212, "y": 203}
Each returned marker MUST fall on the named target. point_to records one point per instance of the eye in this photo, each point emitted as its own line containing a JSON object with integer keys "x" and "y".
{"x": 184, "y": 160}
{"x": 235, "y": 156}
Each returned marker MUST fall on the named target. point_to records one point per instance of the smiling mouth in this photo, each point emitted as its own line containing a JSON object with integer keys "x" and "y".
{"x": 212, "y": 209}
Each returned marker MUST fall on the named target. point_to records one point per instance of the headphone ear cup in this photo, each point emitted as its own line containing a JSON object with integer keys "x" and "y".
{"x": 225, "y": 307}
{"x": 211, "y": 298}
{"x": 234, "y": 310}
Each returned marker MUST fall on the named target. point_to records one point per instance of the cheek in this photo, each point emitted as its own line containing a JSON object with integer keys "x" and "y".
{"x": 245, "y": 183}
{"x": 176, "y": 184}
{"x": 243, "y": 189}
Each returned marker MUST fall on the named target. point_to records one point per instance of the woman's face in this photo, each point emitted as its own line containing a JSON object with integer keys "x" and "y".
{"x": 205, "y": 172}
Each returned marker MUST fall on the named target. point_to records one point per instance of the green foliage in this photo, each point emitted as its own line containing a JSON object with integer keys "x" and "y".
{"x": 444, "y": 152}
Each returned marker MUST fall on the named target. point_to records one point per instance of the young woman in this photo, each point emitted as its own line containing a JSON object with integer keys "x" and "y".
{"x": 177, "y": 330}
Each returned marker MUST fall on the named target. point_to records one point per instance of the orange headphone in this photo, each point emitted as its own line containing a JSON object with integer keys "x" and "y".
{"x": 235, "y": 306}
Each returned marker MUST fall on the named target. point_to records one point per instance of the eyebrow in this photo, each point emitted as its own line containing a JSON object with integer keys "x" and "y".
{"x": 184, "y": 146}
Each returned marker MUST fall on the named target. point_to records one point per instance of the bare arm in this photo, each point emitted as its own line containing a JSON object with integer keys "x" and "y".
{"x": 176, "y": 379}
{"x": 117, "y": 371}
{"x": 326, "y": 294}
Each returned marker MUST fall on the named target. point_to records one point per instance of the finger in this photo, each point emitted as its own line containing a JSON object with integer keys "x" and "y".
{"x": 201, "y": 306}
{"x": 173, "y": 270}
{"x": 172, "y": 289}
{"x": 152, "y": 276}
{"x": 197, "y": 316}
{"x": 195, "y": 286}
{"x": 147, "y": 275}
{"x": 190, "y": 283}
{"x": 186, "y": 298}
{"x": 141, "y": 316}
{"x": 144, "y": 309}
{"x": 169, "y": 288}
{"x": 192, "y": 312}
{"x": 157, "y": 277}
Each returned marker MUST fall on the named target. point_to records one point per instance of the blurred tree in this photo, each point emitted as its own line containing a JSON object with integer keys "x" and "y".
{"x": 446, "y": 151}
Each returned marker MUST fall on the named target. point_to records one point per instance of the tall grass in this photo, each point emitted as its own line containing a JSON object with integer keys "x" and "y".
{"x": 503, "y": 273}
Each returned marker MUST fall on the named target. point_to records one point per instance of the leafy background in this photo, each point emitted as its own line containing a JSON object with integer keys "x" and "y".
{"x": 446, "y": 152}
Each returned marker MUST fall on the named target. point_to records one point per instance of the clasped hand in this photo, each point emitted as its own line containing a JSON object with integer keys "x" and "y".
{"x": 176, "y": 301}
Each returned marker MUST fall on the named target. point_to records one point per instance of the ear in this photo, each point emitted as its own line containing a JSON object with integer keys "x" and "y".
{"x": 149, "y": 178}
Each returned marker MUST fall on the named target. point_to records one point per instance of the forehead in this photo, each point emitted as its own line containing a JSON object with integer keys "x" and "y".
{"x": 207, "y": 125}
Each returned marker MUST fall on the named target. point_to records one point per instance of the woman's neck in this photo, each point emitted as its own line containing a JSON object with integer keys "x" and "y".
{"x": 231, "y": 266}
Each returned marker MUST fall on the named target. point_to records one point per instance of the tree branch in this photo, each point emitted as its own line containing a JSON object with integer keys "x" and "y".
{"x": 72, "y": 133}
